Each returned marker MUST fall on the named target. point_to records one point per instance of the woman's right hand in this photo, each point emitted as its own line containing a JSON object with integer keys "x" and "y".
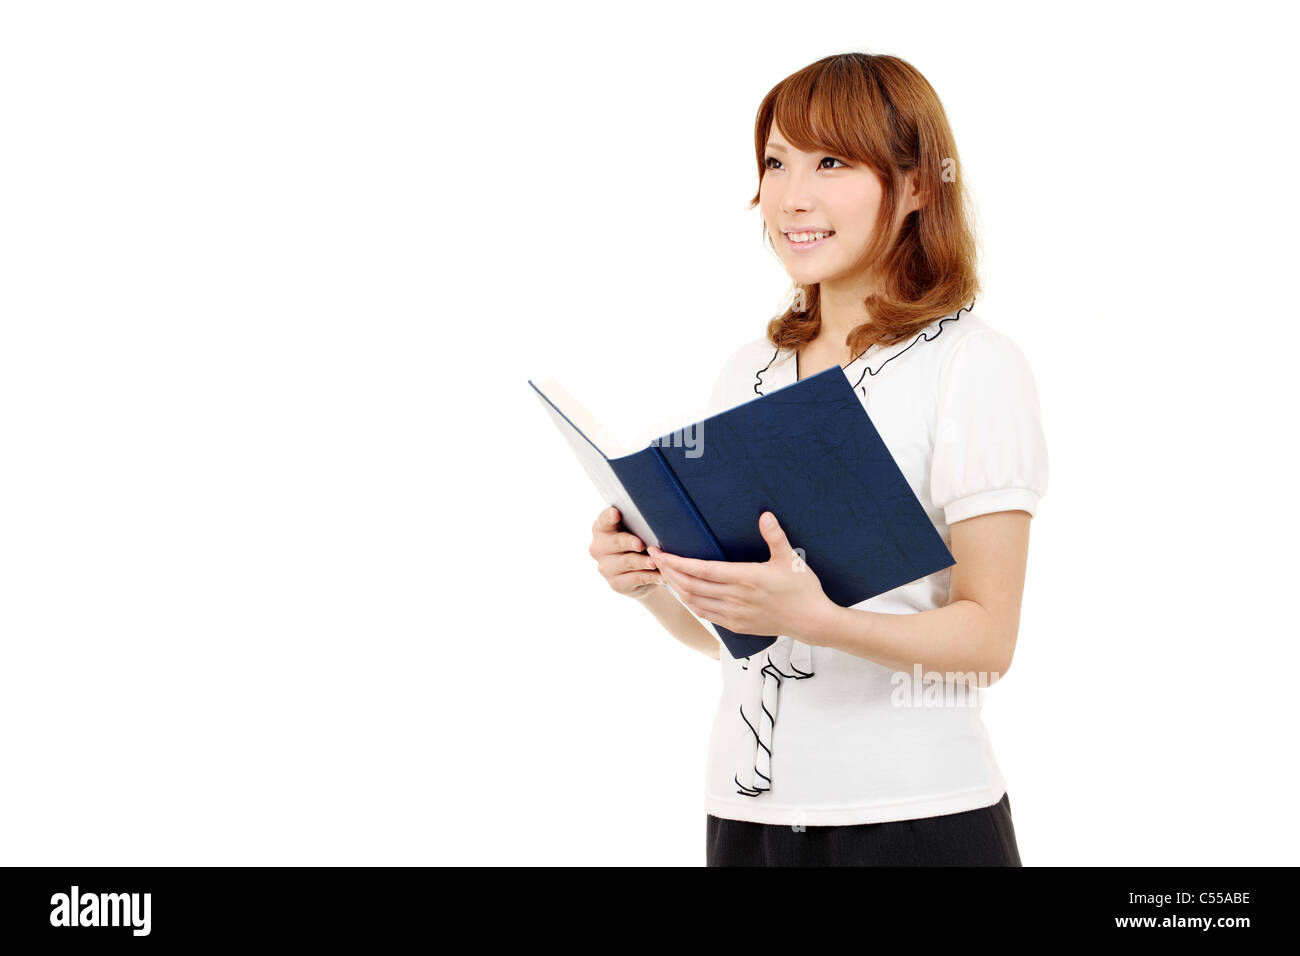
{"x": 621, "y": 557}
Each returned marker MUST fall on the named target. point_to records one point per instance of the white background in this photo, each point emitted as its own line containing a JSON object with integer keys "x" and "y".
{"x": 294, "y": 568}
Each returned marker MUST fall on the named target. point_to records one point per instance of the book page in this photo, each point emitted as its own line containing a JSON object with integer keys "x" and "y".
{"x": 567, "y": 413}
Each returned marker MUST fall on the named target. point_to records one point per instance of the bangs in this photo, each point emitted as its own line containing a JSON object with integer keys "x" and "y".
{"x": 833, "y": 107}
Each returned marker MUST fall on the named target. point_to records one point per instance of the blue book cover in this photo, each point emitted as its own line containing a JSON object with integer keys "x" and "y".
{"x": 807, "y": 452}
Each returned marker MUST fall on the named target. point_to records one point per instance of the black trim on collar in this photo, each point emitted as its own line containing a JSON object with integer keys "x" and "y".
{"x": 758, "y": 376}
{"x": 920, "y": 336}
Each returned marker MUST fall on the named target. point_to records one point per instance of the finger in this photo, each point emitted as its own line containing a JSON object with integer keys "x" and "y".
{"x": 612, "y": 565}
{"x": 712, "y": 610}
{"x": 773, "y": 534}
{"x": 723, "y": 572}
{"x": 696, "y": 586}
{"x": 625, "y": 541}
{"x": 635, "y": 579}
{"x": 630, "y": 561}
{"x": 607, "y": 520}
{"x": 605, "y": 542}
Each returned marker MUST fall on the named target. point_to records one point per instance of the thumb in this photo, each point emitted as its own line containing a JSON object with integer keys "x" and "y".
{"x": 770, "y": 528}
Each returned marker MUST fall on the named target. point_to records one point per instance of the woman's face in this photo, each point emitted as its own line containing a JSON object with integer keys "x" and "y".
{"x": 817, "y": 192}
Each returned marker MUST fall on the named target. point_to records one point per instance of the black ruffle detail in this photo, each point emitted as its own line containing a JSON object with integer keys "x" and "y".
{"x": 758, "y": 376}
{"x": 776, "y": 672}
{"x": 920, "y": 337}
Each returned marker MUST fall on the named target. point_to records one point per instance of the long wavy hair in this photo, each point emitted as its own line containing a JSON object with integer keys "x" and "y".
{"x": 879, "y": 111}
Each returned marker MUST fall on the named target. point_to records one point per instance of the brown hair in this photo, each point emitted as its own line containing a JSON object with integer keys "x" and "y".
{"x": 880, "y": 111}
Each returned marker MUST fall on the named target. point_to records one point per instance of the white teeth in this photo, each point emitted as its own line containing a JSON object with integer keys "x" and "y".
{"x": 806, "y": 236}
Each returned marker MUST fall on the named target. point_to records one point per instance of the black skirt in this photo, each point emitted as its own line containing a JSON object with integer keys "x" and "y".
{"x": 983, "y": 837}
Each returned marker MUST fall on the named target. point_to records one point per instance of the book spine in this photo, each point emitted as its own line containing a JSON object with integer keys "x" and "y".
{"x": 687, "y": 504}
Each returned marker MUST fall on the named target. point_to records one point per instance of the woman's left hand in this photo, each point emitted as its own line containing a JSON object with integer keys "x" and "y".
{"x": 781, "y": 595}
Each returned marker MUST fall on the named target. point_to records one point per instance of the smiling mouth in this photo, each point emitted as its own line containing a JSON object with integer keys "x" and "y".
{"x": 808, "y": 240}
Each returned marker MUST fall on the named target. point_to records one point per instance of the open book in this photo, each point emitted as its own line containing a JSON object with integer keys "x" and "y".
{"x": 807, "y": 452}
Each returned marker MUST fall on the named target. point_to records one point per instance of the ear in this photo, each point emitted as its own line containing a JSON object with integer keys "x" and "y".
{"x": 913, "y": 198}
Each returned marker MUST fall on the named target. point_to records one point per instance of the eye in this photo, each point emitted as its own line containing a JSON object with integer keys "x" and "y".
{"x": 772, "y": 159}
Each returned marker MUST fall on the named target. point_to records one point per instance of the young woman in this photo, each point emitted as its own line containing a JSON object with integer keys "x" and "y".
{"x": 856, "y": 738}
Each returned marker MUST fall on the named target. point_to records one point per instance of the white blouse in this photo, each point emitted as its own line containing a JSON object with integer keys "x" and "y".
{"x": 807, "y": 735}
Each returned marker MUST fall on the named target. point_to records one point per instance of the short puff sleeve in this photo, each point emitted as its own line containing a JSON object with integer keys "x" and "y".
{"x": 990, "y": 453}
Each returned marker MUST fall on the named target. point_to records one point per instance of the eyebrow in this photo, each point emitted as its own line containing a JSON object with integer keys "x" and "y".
{"x": 776, "y": 146}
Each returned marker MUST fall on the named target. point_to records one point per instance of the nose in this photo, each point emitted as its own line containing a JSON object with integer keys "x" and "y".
{"x": 795, "y": 197}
